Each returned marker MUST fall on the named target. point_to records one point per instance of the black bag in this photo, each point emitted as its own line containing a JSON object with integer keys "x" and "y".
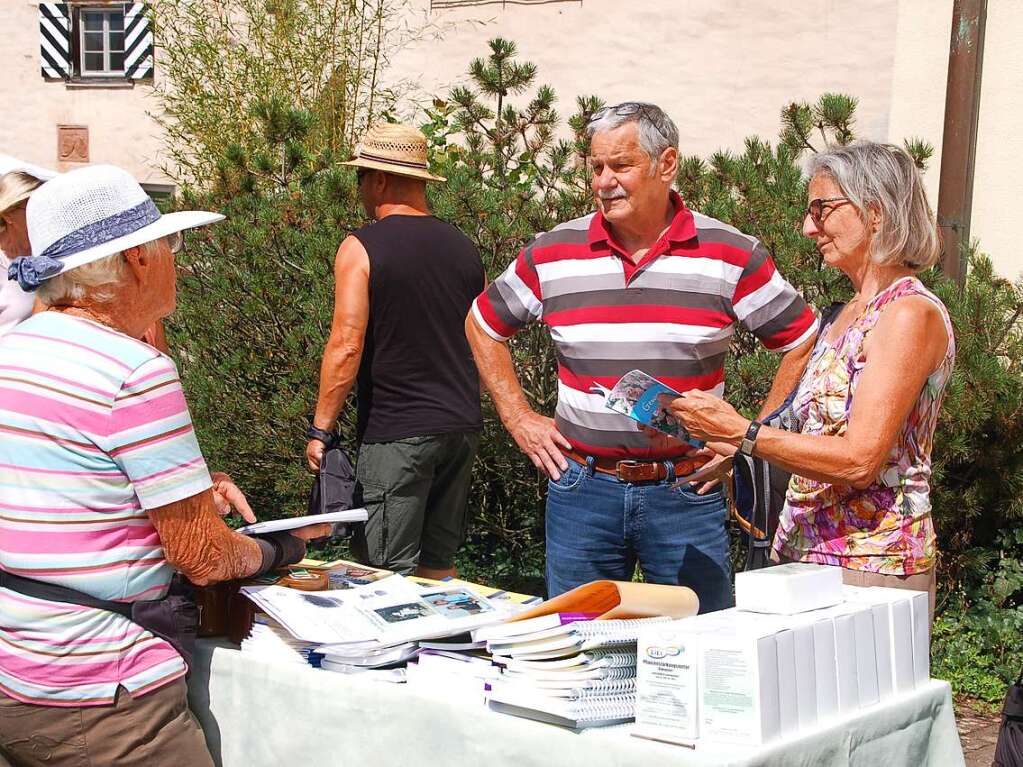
{"x": 175, "y": 618}
{"x": 1009, "y": 749}
{"x": 334, "y": 486}
{"x": 758, "y": 487}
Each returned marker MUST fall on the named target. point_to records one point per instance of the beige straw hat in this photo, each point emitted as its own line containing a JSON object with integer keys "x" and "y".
{"x": 394, "y": 148}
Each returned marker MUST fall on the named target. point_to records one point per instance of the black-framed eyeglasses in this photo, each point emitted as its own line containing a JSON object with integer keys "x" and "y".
{"x": 819, "y": 208}
{"x": 625, "y": 109}
{"x": 175, "y": 241}
{"x": 360, "y": 174}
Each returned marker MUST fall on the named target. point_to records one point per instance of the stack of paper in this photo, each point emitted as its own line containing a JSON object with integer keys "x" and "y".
{"x": 452, "y": 674}
{"x": 269, "y": 639}
{"x": 580, "y": 673}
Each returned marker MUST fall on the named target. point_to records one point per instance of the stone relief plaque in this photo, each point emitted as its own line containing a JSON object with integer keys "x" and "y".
{"x": 72, "y": 143}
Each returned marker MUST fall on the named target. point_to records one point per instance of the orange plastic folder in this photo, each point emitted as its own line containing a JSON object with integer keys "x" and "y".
{"x": 620, "y": 599}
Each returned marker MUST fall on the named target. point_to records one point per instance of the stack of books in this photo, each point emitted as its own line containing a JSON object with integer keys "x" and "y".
{"x": 566, "y": 668}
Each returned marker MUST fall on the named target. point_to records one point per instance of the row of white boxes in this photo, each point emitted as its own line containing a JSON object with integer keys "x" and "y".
{"x": 736, "y": 676}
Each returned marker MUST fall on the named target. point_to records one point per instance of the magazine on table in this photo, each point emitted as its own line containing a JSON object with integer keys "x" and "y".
{"x": 637, "y": 396}
{"x": 385, "y": 612}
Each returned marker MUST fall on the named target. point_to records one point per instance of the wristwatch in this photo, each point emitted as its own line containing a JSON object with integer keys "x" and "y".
{"x": 746, "y": 446}
{"x": 328, "y": 438}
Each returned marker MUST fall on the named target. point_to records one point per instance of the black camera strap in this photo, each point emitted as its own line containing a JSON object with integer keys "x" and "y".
{"x": 56, "y": 593}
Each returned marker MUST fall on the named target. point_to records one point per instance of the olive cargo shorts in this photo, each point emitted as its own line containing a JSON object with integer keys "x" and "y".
{"x": 416, "y": 491}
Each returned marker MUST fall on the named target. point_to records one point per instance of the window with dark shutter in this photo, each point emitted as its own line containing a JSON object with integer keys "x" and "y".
{"x": 55, "y": 40}
{"x": 97, "y": 42}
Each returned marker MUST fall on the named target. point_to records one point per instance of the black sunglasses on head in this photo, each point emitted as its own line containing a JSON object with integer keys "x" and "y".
{"x": 625, "y": 109}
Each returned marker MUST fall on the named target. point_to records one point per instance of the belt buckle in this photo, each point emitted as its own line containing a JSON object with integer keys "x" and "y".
{"x": 618, "y": 469}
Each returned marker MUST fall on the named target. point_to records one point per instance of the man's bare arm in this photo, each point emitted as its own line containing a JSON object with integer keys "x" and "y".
{"x": 343, "y": 351}
{"x": 536, "y": 435}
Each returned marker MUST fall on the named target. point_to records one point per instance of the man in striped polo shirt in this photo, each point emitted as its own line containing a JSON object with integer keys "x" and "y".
{"x": 643, "y": 283}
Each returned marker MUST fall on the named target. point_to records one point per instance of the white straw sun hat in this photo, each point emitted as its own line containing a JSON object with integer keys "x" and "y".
{"x": 87, "y": 214}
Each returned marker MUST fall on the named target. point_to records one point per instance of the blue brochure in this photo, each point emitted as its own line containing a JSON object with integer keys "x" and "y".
{"x": 636, "y": 396}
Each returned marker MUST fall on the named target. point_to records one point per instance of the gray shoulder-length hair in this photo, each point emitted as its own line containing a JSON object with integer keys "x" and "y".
{"x": 883, "y": 177}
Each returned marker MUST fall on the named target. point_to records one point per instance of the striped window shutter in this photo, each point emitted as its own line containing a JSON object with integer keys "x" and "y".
{"x": 138, "y": 42}
{"x": 55, "y": 40}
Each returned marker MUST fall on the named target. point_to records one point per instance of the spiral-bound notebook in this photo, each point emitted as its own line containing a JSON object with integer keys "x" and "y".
{"x": 584, "y": 661}
{"x": 578, "y": 713}
{"x": 561, "y": 678}
{"x": 572, "y": 638}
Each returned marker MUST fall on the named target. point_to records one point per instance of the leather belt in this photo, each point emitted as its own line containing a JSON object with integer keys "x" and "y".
{"x": 640, "y": 471}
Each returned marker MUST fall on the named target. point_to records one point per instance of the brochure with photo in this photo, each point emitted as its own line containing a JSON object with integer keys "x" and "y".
{"x": 636, "y": 395}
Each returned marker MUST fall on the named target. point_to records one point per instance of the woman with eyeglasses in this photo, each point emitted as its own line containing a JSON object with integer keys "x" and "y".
{"x": 868, "y": 401}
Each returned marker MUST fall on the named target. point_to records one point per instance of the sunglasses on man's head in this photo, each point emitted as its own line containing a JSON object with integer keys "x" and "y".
{"x": 819, "y": 208}
{"x": 625, "y": 109}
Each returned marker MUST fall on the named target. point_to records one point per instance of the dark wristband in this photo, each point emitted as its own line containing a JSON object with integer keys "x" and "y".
{"x": 328, "y": 438}
{"x": 278, "y": 549}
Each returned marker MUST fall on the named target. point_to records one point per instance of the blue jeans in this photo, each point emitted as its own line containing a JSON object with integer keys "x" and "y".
{"x": 598, "y": 527}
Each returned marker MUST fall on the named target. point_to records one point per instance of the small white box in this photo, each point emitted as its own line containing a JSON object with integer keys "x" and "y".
{"x": 825, "y": 668}
{"x": 738, "y": 685}
{"x": 666, "y": 682}
{"x": 786, "y": 589}
{"x": 788, "y": 705}
{"x": 806, "y": 675}
{"x": 854, "y": 640}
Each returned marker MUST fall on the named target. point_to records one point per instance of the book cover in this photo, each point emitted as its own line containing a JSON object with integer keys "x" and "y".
{"x": 636, "y": 396}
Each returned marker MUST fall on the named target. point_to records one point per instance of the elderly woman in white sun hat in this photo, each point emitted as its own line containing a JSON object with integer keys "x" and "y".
{"x": 105, "y": 490}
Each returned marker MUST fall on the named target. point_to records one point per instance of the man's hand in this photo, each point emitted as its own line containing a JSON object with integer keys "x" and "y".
{"x": 708, "y": 476}
{"x": 314, "y": 455}
{"x": 538, "y": 438}
{"x": 227, "y": 497}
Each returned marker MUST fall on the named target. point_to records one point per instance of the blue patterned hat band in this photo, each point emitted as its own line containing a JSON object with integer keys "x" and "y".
{"x": 31, "y": 271}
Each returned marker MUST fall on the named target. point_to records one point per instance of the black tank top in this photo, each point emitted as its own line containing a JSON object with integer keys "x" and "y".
{"x": 417, "y": 375}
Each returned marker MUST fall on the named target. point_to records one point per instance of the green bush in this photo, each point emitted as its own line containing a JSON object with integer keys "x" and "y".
{"x": 255, "y": 302}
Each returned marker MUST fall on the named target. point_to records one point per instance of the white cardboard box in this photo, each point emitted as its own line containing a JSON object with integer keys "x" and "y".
{"x": 918, "y": 629}
{"x": 738, "y": 684}
{"x": 788, "y": 703}
{"x": 666, "y": 683}
{"x": 898, "y": 620}
{"x": 794, "y": 587}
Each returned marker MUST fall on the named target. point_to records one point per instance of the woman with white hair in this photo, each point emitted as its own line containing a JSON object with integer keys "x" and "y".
{"x": 868, "y": 402}
{"x": 16, "y": 187}
{"x": 105, "y": 490}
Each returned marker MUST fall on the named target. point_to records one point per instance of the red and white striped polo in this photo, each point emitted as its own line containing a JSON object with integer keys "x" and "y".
{"x": 671, "y": 315}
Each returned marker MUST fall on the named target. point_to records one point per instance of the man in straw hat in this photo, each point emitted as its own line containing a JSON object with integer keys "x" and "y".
{"x": 644, "y": 284}
{"x": 106, "y": 493}
{"x": 401, "y": 284}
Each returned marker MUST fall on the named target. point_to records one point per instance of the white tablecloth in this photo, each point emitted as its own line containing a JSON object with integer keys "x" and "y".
{"x": 259, "y": 713}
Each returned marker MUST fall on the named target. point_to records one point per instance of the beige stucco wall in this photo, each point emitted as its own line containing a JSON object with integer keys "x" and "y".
{"x": 120, "y": 132}
{"x": 918, "y": 108}
{"x": 722, "y": 69}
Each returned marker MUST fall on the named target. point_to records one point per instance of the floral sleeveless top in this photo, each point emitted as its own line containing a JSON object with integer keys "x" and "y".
{"x": 887, "y": 527}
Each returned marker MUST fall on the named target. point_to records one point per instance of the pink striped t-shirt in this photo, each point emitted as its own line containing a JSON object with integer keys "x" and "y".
{"x": 94, "y": 431}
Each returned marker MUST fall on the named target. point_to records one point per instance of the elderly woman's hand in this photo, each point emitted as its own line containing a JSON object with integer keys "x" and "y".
{"x": 707, "y": 417}
{"x": 227, "y": 497}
